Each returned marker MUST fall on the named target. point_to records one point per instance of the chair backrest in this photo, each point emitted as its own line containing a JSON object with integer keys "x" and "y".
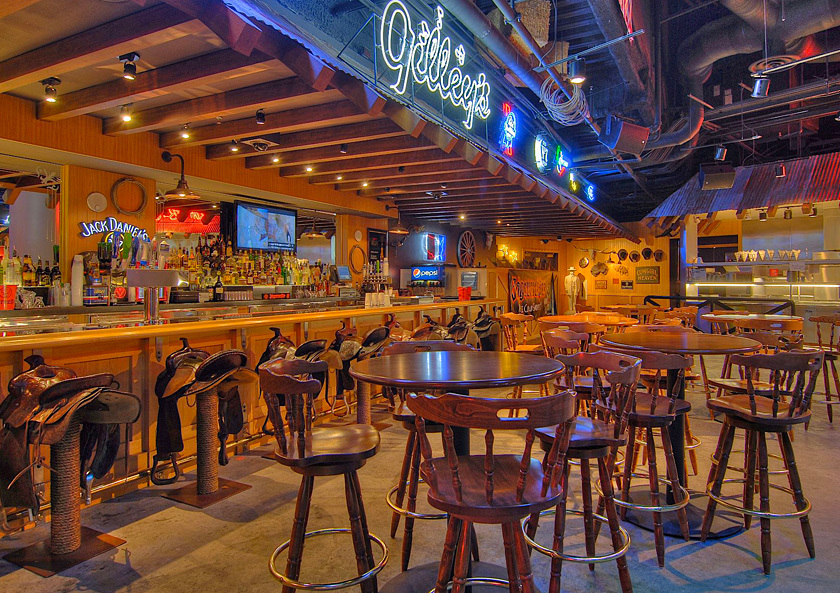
{"x": 293, "y": 380}
{"x": 774, "y": 325}
{"x": 827, "y": 335}
{"x": 660, "y": 364}
{"x": 772, "y": 342}
{"x": 581, "y": 308}
{"x": 425, "y": 346}
{"x": 672, "y": 329}
{"x": 492, "y": 414}
{"x": 511, "y": 325}
{"x": 792, "y": 374}
{"x": 620, "y": 371}
{"x": 724, "y": 326}
{"x": 563, "y": 341}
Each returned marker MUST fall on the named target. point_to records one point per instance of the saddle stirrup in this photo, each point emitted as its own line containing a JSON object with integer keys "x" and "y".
{"x": 158, "y": 481}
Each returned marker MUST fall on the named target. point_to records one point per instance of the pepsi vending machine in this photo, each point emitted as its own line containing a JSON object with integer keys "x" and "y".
{"x": 422, "y": 280}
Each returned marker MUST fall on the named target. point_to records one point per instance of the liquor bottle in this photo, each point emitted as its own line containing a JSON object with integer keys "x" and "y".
{"x": 229, "y": 249}
{"x": 27, "y": 272}
{"x": 55, "y": 275}
{"x": 39, "y": 271}
{"x": 218, "y": 290}
{"x": 13, "y": 275}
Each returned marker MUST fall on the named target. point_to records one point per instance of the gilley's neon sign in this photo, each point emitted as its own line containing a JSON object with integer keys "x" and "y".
{"x": 425, "y": 56}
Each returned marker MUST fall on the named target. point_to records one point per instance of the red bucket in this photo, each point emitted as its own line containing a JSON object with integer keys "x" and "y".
{"x": 7, "y": 296}
{"x": 464, "y": 293}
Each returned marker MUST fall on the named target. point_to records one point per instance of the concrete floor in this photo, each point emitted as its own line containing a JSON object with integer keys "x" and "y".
{"x": 225, "y": 548}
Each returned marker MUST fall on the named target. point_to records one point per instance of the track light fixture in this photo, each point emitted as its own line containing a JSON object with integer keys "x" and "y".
{"x": 185, "y": 133}
{"x": 260, "y": 117}
{"x": 788, "y": 214}
{"x": 577, "y": 71}
{"x": 343, "y": 149}
{"x": 50, "y": 94}
{"x": 761, "y": 87}
{"x": 762, "y": 216}
{"x": 837, "y": 117}
{"x": 720, "y": 153}
{"x": 234, "y": 145}
{"x": 129, "y": 66}
{"x": 780, "y": 170}
{"x": 125, "y": 114}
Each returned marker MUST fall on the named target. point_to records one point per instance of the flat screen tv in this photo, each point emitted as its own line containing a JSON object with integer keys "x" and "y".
{"x": 265, "y": 228}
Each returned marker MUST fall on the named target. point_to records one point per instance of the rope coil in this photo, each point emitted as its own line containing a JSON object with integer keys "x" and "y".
{"x": 565, "y": 112}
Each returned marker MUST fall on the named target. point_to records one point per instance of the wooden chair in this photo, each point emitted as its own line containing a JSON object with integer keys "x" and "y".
{"x": 758, "y": 412}
{"x": 829, "y": 344}
{"x": 592, "y": 438}
{"x": 789, "y": 327}
{"x": 512, "y": 325}
{"x": 409, "y": 480}
{"x": 567, "y": 342}
{"x": 650, "y": 411}
{"x": 314, "y": 452}
{"x": 499, "y": 489}
{"x": 771, "y": 343}
{"x": 724, "y": 326}
{"x": 593, "y": 330}
{"x": 580, "y": 308}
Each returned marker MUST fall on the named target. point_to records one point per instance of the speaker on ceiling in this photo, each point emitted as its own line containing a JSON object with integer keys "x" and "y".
{"x": 623, "y": 136}
{"x": 716, "y": 176}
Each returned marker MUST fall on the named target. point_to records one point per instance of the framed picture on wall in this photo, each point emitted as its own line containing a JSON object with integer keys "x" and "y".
{"x": 600, "y": 285}
{"x": 647, "y": 275}
{"x": 377, "y": 245}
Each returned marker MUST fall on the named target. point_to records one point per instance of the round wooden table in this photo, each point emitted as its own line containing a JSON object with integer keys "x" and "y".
{"x": 757, "y": 321}
{"x": 456, "y": 372}
{"x": 600, "y": 317}
{"x": 687, "y": 343}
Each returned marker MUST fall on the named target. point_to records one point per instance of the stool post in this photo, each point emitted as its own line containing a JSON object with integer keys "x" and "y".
{"x": 66, "y": 522}
{"x": 206, "y": 439}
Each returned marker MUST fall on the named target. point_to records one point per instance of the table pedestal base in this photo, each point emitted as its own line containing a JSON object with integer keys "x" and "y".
{"x": 38, "y": 558}
{"x": 726, "y": 523}
{"x": 189, "y": 494}
{"x": 421, "y": 579}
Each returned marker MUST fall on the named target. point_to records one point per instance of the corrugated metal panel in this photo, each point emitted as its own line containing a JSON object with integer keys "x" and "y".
{"x": 808, "y": 180}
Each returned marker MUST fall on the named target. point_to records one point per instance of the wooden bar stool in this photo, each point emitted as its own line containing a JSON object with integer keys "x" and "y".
{"x": 758, "y": 412}
{"x": 592, "y": 438}
{"x": 314, "y": 452}
{"x": 410, "y": 470}
{"x": 831, "y": 347}
{"x": 567, "y": 342}
{"x": 491, "y": 488}
{"x": 650, "y": 411}
{"x": 512, "y": 325}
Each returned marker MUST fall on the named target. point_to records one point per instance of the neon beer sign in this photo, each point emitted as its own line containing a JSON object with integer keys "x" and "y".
{"x": 111, "y": 225}
{"x": 423, "y": 54}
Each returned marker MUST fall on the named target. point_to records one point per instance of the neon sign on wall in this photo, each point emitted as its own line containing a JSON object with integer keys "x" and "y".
{"x": 541, "y": 152}
{"x": 111, "y": 225}
{"x": 424, "y": 54}
{"x": 562, "y": 163}
{"x": 508, "y": 129}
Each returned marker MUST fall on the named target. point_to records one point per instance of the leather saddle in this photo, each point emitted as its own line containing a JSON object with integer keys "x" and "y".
{"x": 346, "y": 348}
{"x": 192, "y": 372}
{"x": 41, "y": 404}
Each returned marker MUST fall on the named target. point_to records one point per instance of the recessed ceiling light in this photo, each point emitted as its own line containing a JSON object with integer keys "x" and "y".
{"x": 50, "y": 94}
{"x": 125, "y": 114}
{"x": 498, "y": 222}
{"x": 309, "y": 169}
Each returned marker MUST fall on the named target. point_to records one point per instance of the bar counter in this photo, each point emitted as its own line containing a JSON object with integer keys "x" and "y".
{"x": 135, "y": 355}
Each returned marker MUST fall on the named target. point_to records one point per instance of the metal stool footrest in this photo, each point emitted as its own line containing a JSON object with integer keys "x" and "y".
{"x": 327, "y": 586}
{"x": 772, "y": 472}
{"x": 406, "y": 513}
{"x": 752, "y": 512}
{"x": 486, "y": 581}
{"x": 625, "y": 536}
{"x": 662, "y": 508}
{"x": 695, "y": 442}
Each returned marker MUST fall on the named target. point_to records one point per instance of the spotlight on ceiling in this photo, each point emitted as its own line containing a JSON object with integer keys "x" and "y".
{"x": 761, "y": 88}
{"x": 185, "y": 133}
{"x": 129, "y": 66}
{"x": 720, "y": 153}
{"x": 275, "y": 159}
{"x": 342, "y": 149}
{"x": 339, "y": 177}
{"x": 234, "y": 145}
{"x": 813, "y": 212}
{"x": 837, "y": 117}
{"x": 260, "y": 117}
{"x": 463, "y": 217}
{"x": 780, "y": 170}
{"x": 125, "y": 114}
{"x": 309, "y": 169}
{"x": 762, "y": 216}
{"x": 50, "y": 94}
{"x": 577, "y": 71}
{"x": 788, "y": 214}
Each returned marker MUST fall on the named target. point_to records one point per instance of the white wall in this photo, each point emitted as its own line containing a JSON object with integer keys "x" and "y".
{"x": 315, "y": 249}
{"x": 32, "y": 226}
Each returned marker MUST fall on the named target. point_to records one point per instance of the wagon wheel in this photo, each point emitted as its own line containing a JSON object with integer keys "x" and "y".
{"x": 466, "y": 249}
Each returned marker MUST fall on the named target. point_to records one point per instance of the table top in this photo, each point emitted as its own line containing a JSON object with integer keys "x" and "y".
{"x": 723, "y": 316}
{"x": 631, "y": 307}
{"x": 601, "y": 317}
{"x": 456, "y": 370}
{"x": 680, "y": 343}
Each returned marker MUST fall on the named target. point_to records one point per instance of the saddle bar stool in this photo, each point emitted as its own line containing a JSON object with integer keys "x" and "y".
{"x": 321, "y": 451}
{"x": 759, "y": 412}
{"x": 592, "y": 438}
{"x": 51, "y": 405}
{"x": 214, "y": 381}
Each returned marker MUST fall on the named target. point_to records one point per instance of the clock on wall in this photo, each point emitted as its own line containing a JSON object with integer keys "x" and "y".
{"x": 97, "y": 202}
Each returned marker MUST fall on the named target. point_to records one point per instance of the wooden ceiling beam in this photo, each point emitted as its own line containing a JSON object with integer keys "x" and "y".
{"x": 432, "y": 187}
{"x": 355, "y": 150}
{"x": 266, "y": 95}
{"x": 364, "y": 163}
{"x": 150, "y": 83}
{"x": 366, "y": 130}
{"x": 12, "y": 6}
{"x": 393, "y": 172}
{"x": 133, "y": 32}
{"x": 503, "y": 190}
{"x": 398, "y": 184}
{"x": 488, "y": 209}
{"x": 291, "y": 120}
